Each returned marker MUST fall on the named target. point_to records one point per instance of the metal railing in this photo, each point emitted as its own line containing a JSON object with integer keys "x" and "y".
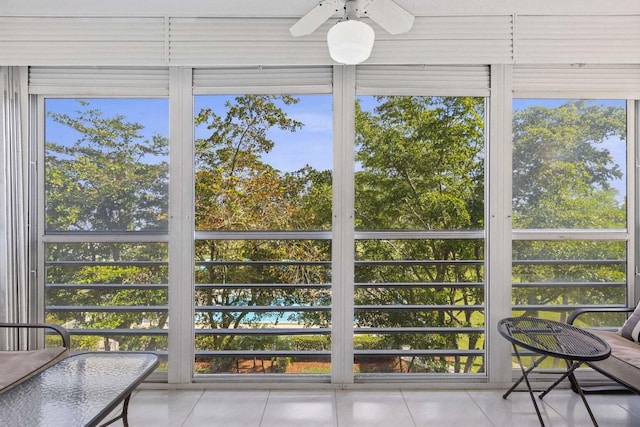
{"x": 266, "y": 330}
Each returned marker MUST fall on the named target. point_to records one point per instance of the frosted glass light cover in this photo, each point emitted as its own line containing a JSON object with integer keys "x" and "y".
{"x": 350, "y": 42}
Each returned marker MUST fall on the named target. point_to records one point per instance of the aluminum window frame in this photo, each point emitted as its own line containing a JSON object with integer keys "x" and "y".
{"x": 498, "y": 232}
{"x": 580, "y": 81}
{"x": 439, "y": 80}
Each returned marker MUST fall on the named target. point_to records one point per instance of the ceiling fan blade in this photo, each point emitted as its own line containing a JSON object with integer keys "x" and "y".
{"x": 389, "y": 15}
{"x": 316, "y": 17}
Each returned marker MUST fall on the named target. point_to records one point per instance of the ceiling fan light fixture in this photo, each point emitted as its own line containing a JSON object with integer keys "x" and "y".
{"x": 350, "y": 42}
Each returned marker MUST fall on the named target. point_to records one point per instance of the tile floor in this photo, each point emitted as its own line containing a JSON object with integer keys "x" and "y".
{"x": 359, "y": 408}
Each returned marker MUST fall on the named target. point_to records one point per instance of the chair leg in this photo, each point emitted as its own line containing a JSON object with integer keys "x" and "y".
{"x": 571, "y": 366}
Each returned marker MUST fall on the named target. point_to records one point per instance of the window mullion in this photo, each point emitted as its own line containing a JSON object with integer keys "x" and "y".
{"x": 181, "y": 226}
{"x": 343, "y": 225}
{"x": 499, "y": 222}
{"x": 633, "y": 221}
{"x": 38, "y": 112}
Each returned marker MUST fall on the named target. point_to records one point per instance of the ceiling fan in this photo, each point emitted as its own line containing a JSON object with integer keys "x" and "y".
{"x": 351, "y": 40}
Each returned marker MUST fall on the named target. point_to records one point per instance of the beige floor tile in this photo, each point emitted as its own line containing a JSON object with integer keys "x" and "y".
{"x": 161, "y": 408}
{"x": 606, "y": 409}
{"x": 229, "y": 408}
{"x": 516, "y": 410}
{"x": 444, "y": 409}
{"x": 372, "y": 409}
{"x": 300, "y": 408}
{"x": 360, "y": 408}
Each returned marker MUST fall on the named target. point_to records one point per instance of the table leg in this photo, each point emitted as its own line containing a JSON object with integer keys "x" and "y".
{"x": 535, "y": 364}
{"x": 572, "y": 366}
{"x": 574, "y": 383}
{"x": 123, "y": 415}
{"x": 125, "y": 411}
{"x": 526, "y": 380}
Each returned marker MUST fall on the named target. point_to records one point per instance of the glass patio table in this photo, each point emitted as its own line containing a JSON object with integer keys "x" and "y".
{"x": 80, "y": 390}
{"x": 552, "y": 339}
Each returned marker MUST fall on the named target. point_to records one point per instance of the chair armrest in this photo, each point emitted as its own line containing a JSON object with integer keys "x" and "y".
{"x": 574, "y": 315}
{"x": 66, "y": 338}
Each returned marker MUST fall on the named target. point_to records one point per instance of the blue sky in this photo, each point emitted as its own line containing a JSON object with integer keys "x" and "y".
{"x": 152, "y": 113}
{"x": 312, "y": 145}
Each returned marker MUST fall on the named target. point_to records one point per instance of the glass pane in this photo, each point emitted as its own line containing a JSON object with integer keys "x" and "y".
{"x": 420, "y": 163}
{"x": 111, "y": 296}
{"x": 263, "y": 162}
{"x": 569, "y": 164}
{"x": 407, "y": 301}
{"x": 553, "y": 278}
{"x": 106, "y": 165}
{"x": 419, "y": 302}
{"x": 266, "y": 301}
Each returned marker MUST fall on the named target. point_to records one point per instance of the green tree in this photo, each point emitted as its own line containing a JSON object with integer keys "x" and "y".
{"x": 101, "y": 182}
{"x": 421, "y": 160}
{"x": 110, "y": 179}
{"x": 561, "y": 171}
{"x": 311, "y": 190}
{"x": 236, "y": 190}
{"x": 562, "y": 175}
{"x": 422, "y": 168}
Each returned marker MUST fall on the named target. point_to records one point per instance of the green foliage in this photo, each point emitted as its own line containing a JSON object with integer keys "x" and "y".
{"x": 420, "y": 166}
{"x": 236, "y": 190}
{"x": 99, "y": 182}
{"x": 85, "y": 343}
{"x": 561, "y": 171}
{"x": 310, "y": 343}
{"x": 367, "y": 342}
{"x": 312, "y": 191}
{"x": 280, "y": 364}
{"x": 110, "y": 179}
{"x": 562, "y": 174}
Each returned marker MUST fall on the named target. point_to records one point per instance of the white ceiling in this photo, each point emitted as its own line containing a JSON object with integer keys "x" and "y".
{"x": 295, "y": 8}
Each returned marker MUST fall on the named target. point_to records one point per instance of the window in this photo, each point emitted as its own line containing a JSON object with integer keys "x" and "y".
{"x": 339, "y": 223}
{"x": 263, "y": 188}
{"x": 569, "y": 205}
{"x": 105, "y": 221}
{"x": 569, "y": 164}
{"x": 419, "y": 272}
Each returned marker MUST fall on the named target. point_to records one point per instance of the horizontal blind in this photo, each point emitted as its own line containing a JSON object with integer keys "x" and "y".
{"x": 447, "y": 40}
{"x": 210, "y": 41}
{"x": 583, "y": 81}
{"x": 99, "y": 81}
{"x": 82, "y": 41}
{"x": 429, "y": 80}
{"x": 237, "y": 42}
{"x": 577, "y": 39}
{"x": 263, "y": 80}
{"x": 432, "y": 40}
